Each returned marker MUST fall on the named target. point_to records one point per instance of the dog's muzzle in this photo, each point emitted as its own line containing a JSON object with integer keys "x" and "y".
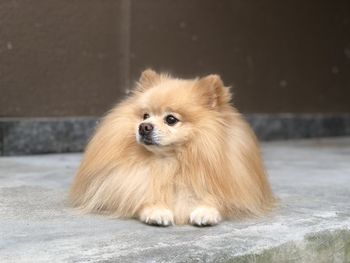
{"x": 145, "y": 132}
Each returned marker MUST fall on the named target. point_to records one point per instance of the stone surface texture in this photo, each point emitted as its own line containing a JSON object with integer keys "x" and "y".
{"x": 311, "y": 224}
{"x": 22, "y": 136}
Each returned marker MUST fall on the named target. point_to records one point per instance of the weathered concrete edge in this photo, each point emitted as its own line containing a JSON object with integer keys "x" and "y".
{"x": 323, "y": 246}
{"x": 21, "y": 136}
{"x": 295, "y": 126}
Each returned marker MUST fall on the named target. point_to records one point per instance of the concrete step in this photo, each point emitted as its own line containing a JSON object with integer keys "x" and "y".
{"x": 312, "y": 223}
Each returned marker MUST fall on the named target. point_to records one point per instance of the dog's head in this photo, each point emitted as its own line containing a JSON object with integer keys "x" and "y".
{"x": 172, "y": 111}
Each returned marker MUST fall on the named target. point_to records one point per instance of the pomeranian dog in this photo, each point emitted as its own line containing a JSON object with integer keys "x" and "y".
{"x": 174, "y": 152}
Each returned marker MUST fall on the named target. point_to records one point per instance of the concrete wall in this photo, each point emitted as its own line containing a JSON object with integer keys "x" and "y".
{"x": 76, "y": 58}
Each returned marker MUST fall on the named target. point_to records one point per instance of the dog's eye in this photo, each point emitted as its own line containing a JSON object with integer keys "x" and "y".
{"x": 171, "y": 120}
{"x": 145, "y": 116}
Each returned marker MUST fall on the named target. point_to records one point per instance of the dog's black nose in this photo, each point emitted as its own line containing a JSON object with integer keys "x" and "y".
{"x": 145, "y": 129}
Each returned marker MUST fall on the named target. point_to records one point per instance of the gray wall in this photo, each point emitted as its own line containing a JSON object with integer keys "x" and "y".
{"x": 76, "y": 58}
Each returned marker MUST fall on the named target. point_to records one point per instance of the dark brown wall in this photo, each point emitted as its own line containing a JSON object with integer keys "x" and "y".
{"x": 281, "y": 56}
{"x": 60, "y": 57}
{"x": 66, "y": 58}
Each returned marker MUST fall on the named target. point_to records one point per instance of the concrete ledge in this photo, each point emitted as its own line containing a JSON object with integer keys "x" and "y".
{"x": 324, "y": 246}
{"x": 311, "y": 224}
{"x": 297, "y": 126}
{"x": 21, "y": 136}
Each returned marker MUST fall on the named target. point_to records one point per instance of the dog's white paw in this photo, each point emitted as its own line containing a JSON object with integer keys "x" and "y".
{"x": 205, "y": 216}
{"x": 157, "y": 216}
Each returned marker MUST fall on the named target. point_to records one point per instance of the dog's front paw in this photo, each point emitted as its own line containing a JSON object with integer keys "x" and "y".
{"x": 157, "y": 216}
{"x": 205, "y": 216}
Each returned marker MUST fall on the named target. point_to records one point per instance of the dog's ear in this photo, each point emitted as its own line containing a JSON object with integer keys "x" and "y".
{"x": 147, "y": 79}
{"x": 213, "y": 91}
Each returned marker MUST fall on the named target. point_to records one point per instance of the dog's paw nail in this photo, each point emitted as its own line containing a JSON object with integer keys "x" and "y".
{"x": 157, "y": 216}
{"x": 205, "y": 216}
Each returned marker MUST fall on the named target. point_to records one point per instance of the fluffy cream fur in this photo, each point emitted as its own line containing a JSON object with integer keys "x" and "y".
{"x": 205, "y": 168}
